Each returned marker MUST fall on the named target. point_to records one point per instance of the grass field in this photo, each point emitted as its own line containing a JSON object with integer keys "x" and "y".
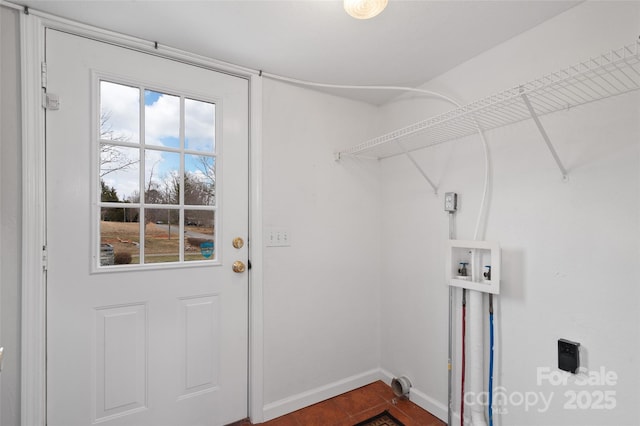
{"x": 159, "y": 245}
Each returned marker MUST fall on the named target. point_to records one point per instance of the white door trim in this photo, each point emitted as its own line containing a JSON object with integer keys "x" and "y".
{"x": 32, "y": 26}
{"x": 33, "y": 398}
{"x": 256, "y": 232}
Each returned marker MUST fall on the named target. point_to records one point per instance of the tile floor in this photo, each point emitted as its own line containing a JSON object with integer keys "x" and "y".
{"x": 353, "y": 407}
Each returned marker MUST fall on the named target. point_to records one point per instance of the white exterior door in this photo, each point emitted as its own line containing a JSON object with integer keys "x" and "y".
{"x": 147, "y": 188}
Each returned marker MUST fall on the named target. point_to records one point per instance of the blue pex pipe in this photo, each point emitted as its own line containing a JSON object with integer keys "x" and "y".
{"x": 491, "y": 369}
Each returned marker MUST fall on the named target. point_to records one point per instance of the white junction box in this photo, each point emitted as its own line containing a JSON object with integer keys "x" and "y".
{"x": 474, "y": 265}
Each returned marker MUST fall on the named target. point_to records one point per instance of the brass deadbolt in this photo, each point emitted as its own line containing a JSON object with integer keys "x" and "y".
{"x": 238, "y": 242}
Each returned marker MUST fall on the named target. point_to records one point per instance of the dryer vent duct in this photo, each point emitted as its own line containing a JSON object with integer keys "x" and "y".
{"x": 401, "y": 386}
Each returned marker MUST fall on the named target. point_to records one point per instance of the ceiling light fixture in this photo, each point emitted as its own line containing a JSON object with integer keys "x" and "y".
{"x": 364, "y": 9}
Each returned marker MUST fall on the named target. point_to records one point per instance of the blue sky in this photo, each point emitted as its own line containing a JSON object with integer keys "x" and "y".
{"x": 162, "y": 129}
{"x": 151, "y": 97}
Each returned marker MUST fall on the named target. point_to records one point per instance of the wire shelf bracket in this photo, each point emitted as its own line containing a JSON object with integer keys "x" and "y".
{"x": 545, "y": 136}
{"x": 611, "y": 74}
{"x": 417, "y": 166}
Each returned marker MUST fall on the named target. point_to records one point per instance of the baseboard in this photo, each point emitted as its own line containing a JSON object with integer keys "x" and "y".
{"x": 385, "y": 376}
{"x": 431, "y": 405}
{"x": 420, "y": 398}
{"x": 313, "y": 396}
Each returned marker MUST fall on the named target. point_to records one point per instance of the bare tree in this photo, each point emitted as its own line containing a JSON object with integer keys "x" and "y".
{"x": 153, "y": 194}
{"x": 112, "y": 157}
{"x": 207, "y": 167}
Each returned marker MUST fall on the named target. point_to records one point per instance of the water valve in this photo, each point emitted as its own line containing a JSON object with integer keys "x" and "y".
{"x": 487, "y": 273}
{"x": 463, "y": 269}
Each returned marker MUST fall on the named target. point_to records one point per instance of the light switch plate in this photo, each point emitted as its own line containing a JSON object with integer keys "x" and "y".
{"x": 278, "y": 237}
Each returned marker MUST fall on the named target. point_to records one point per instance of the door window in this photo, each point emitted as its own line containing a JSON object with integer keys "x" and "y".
{"x": 157, "y": 177}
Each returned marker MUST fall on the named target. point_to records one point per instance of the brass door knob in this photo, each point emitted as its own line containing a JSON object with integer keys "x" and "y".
{"x": 238, "y": 267}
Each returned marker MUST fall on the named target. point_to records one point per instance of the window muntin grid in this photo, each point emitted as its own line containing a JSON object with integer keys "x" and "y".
{"x": 157, "y": 177}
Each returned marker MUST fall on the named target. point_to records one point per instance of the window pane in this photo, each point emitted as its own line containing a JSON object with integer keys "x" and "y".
{"x": 162, "y": 177}
{"x": 199, "y": 125}
{"x": 170, "y": 178}
{"x": 162, "y": 119}
{"x": 199, "y": 180}
{"x": 119, "y": 112}
{"x": 161, "y": 236}
{"x": 119, "y": 173}
{"x": 199, "y": 234}
{"x": 119, "y": 236}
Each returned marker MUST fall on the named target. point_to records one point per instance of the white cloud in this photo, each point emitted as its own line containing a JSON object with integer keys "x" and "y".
{"x": 162, "y": 123}
{"x": 162, "y": 120}
{"x": 199, "y": 125}
{"x": 121, "y": 104}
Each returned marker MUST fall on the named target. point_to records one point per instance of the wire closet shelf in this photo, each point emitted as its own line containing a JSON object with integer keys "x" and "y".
{"x": 610, "y": 74}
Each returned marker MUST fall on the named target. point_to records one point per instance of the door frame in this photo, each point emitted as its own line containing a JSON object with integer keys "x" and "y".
{"x": 34, "y": 257}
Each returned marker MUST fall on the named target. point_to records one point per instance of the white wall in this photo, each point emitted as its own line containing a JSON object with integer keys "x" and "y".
{"x": 10, "y": 217}
{"x": 321, "y": 294}
{"x": 570, "y": 249}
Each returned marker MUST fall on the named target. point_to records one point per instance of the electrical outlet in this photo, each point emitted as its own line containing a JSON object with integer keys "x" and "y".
{"x": 450, "y": 202}
{"x": 278, "y": 237}
{"x": 568, "y": 355}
